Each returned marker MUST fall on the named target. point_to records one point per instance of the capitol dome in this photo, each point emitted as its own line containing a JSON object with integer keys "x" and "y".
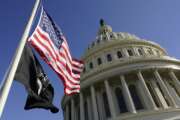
{"x": 125, "y": 78}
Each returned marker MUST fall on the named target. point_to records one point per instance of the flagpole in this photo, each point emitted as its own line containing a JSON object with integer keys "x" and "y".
{"x": 7, "y": 82}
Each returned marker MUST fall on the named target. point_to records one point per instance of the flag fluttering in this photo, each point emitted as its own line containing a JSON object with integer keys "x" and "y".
{"x": 52, "y": 46}
{"x": 31, "y": 74}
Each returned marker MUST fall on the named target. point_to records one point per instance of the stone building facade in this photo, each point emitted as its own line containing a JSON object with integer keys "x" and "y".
{"x": 125, "y": 78}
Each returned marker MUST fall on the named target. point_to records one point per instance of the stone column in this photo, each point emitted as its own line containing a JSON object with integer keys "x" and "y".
{"x": 67, "y": 112}
{"x": 108, "y": 37}
{"x": 175, "y": 80}
{"x": 144, "y": 52}
{"x": 81, "y": 106}
{"x": 94, "y": 104}
{"x": 100, "y": 104}
{"x": 125, "y": 53}
{"x": 164, "y": 89}
{"x": 135, "y": 51}
{"x": 101, "y": 38}
{"x": 127, "y": 95}
{"x": 89, "y": 107}
{"x": 110, "y": 99}
{"x": 72, "y": 109}
{"x": 152, "y": 104}
{"x": 158, "y": 95}
{"x": 114, "y": 55}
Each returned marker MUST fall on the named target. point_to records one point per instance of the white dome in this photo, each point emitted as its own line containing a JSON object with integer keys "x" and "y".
{"x": 125, "y": 78}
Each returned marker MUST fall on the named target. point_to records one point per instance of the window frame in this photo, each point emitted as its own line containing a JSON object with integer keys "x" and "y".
{"x": 119, "y": 57}
{"x": 129, "y": 51}
{"x": 109, "y": 57}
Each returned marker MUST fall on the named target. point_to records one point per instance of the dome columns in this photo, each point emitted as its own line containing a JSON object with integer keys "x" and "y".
{"x": 127, "y": 95}
{"x": 81, "y": 97}
{"x": 89, "y": 109}
{"x": 72, "y": 109}
{"x": 125, "y": 53}
{"x": 151, "y": 102}
{"x": 164, "y": 88}
{"x": 67, "y": 112}
{"x": 175, "y": 80}
{"x": 110, "y": 99}
{"x": 94, "y": 104}
{"x": 100, "y": 105}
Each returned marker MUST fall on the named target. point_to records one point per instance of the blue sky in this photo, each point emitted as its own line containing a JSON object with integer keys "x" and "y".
{"x": 155, "y": 20}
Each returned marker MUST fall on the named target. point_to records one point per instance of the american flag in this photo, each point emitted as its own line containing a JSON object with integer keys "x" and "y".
{"x": 51, "y": 44}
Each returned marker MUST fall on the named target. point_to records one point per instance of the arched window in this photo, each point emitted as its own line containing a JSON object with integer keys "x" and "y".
{"x": 119, "y": 54}
{"x": 84, "y": 69}
{"x": 157, "y": 53}
{"x": 120, "y": 100}
{"x": 98, "y": 41}
{"x": 140, "y": 51}
{"x": 130, "y": 52}
{"x": 150, "y": 52}
{"x": 111, "y": 36}
{"x": 93, "y": 44}
{"x": 109, "y": 57}
{"x": 91, "y": 65}
{"x": 135, "y": 97}
{"x": 106, "y": 105}
{"x": 105, "y": 38}
{"x": 88, "y": 47}
{"x": 99, "y": 61}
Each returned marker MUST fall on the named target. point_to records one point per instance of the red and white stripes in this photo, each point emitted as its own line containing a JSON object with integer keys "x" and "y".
{"x": 59, "y": 59}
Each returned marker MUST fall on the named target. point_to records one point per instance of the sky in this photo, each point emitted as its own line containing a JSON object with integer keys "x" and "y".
{"x": 154, "y": 20}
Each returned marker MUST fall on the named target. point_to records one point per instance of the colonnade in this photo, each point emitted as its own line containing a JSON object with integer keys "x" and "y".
{"x": 91, "y": 111}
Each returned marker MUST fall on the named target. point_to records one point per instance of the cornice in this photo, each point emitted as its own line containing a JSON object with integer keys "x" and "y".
{"x": 128, "y": 63}
{"x": 120, "y": 44}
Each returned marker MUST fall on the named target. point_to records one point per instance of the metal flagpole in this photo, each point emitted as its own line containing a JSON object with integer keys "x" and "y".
{"x": 6, "y": 85}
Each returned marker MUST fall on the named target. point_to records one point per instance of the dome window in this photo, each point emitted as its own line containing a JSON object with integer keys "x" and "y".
{"x": 99, "y": 61}
{"x": 98, "y": 41}
{"x": 111, "y": 36}
{"x": 88, "y": 47}
{"x": 140, "y": 51}
{"x": 104, "y": 37}
{"x": 150, "y": 52}
{"x": 119, "y": 54}
{"x": 84, "y": 70}
{"x": 93, "y": 44}
{"x": 109, "y": 57}
{"x": 91, "y": 65}
{"x": 130, "y": 52}
{"x": 158, "y": 53}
